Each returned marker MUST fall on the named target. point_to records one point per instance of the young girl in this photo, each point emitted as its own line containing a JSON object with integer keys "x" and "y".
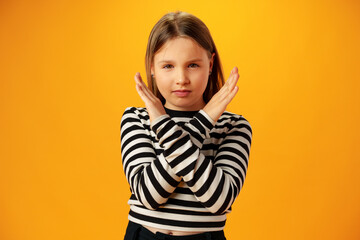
{"x": 184, "y": 156}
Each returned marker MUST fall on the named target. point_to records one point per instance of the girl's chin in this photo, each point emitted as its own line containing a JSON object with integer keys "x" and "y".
{"x": 185, "y": 107}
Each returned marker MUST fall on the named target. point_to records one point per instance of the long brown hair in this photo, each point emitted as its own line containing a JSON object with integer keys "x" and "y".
{"x": 182, "y": 24}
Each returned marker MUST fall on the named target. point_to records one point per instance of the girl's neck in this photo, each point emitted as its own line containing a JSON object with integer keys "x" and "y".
{"x": 179, "y": 113}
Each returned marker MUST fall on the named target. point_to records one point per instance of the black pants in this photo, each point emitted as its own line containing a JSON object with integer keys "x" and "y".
{"x": 135, "y": 231}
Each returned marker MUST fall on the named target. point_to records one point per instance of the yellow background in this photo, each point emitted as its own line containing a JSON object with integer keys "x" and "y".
{"x": 66, "y": 76}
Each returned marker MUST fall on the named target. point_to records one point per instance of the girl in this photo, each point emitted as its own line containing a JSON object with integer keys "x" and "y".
{"x": 184, "y": 156}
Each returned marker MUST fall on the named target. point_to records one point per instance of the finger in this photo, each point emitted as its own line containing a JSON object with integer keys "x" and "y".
{"x": 139, "y": 81}
{"x": 227, "y": 91}
{"x": 140, "y": 92}
{"x": 233, "y": 81}
{"x": 138, "y": 86}
{"x": 232, "y": 94}
{"x": 137, "y": 76}
{"x": 143, "y": 93}
{"x": 141, "y": 87}
{"x": 148, "y": 94}
{"x": 230, "y": 84}
{"x": 232, "y": 73}
{"x": 236, "y": 69}
{"x": 233, "y": 78}
{"x": 146, "y": 91}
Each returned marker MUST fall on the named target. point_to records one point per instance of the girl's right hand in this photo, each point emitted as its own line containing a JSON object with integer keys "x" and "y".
{"x": 218, "y": 103}
{"x": 152, "y": 103}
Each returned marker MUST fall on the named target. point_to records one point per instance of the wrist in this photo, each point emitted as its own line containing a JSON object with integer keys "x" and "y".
{"x": 212, "y": 114}
{"x": 156, "y": 118}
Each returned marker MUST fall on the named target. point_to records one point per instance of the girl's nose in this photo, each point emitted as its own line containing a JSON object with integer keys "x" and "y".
{"x": 182, "y": 78}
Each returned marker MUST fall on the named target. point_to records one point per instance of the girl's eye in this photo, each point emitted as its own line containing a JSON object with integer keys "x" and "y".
{"x": 193, "y": 65}
{"x": 167, "y": 66}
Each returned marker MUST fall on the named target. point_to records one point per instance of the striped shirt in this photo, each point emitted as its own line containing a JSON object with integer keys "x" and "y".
{"x": 184, "y": 170}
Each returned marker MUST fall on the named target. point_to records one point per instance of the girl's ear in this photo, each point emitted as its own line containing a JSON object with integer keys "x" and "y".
{"x": 212, "y": 61}
{"x": 152, "y": 69}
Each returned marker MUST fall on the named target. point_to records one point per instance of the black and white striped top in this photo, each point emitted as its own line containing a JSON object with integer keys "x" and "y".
{"x": 184, "y": 170}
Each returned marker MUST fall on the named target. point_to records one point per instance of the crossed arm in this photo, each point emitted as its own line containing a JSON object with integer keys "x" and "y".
{"x": 153, "y": 178}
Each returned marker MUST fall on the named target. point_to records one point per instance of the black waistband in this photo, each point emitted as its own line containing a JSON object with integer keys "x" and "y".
{"x": 136, "y": 231}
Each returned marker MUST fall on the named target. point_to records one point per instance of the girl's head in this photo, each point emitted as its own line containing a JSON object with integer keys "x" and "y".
{"x": 175, "y": 40}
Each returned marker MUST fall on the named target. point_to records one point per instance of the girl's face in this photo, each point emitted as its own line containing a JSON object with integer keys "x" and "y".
{"x": 181, "y": 69}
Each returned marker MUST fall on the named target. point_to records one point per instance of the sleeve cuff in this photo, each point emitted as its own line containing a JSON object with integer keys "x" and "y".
{"x": 156, "y": 123}
{"x": 206, "y": 119}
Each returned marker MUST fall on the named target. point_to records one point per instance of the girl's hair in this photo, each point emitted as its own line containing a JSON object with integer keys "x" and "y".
{"x": 182, "y": 24}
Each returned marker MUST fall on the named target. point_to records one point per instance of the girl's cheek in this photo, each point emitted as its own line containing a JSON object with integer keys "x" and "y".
{"x": 199, "y": 74}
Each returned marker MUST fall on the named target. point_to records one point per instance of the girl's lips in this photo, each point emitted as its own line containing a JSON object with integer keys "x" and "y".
{"x": 182, "y": 93}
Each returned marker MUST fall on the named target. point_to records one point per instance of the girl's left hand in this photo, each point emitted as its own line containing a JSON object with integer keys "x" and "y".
{"x": 152, "y": 103}
{"x": 218, "y": 103}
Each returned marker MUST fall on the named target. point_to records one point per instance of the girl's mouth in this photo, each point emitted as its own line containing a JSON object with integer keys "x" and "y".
{"x": 182, "y": 93}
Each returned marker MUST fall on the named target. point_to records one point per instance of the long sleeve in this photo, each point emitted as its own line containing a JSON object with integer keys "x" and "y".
{"x": 150, "y": 177}
{"x": 216, "y": 183}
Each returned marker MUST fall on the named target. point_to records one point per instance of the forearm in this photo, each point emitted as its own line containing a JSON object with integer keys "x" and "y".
{"x": 150, "y": 177}
{"x": 216, "y": 185}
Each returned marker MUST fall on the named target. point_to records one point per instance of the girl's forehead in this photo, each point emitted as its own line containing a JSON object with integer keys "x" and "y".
{"x": 179, "y": 48}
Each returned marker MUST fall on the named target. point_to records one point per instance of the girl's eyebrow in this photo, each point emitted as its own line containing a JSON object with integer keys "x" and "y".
{"x": 193, "y": 60}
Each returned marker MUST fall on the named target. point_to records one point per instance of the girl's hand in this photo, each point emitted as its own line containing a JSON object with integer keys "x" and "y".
{"x": 152, "y": 103}
{"x": 217, "y": 104}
